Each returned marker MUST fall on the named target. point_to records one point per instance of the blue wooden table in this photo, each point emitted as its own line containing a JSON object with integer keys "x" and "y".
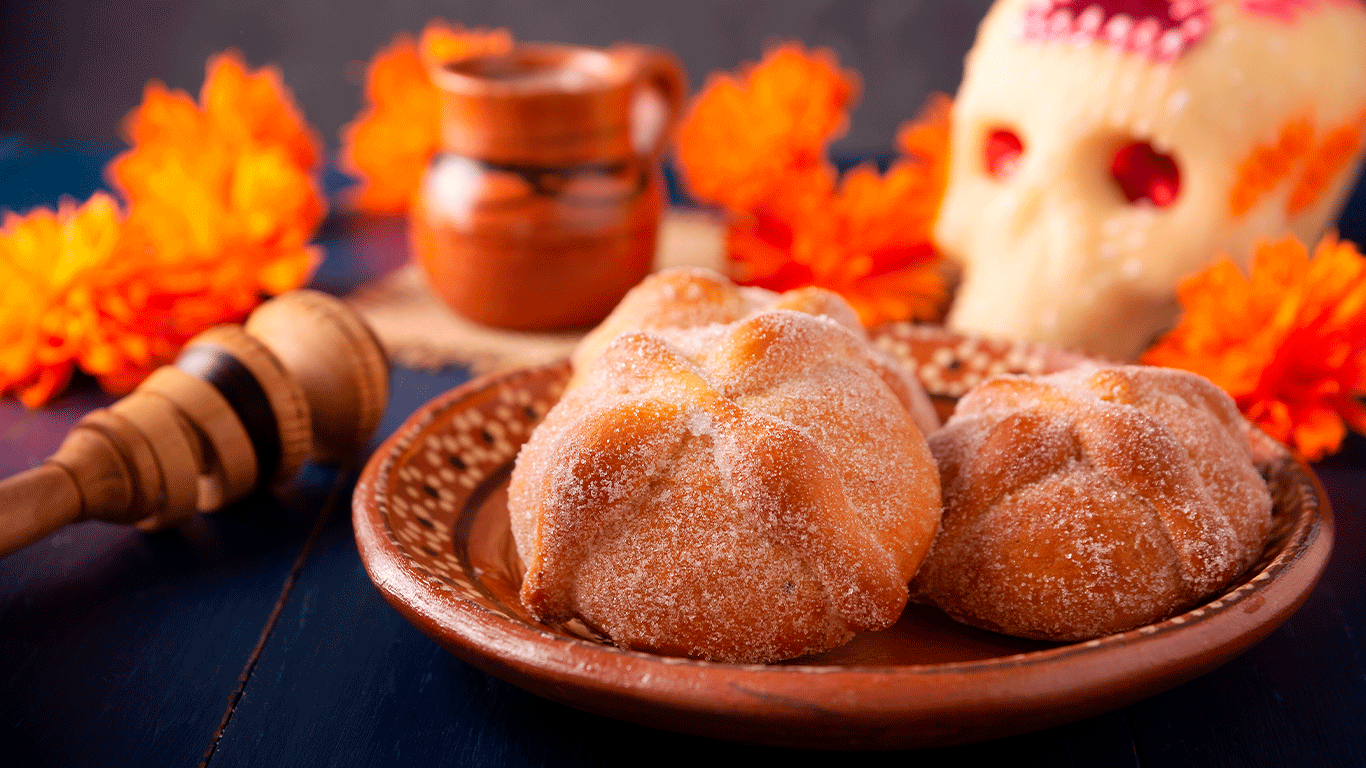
{"x": 253, "y": 637}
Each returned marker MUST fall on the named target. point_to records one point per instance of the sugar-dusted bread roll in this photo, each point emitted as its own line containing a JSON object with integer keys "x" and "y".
{"x": 741, "y": 491}
{"x": 1092, "y": 501}
{"x": 694, "y": 297}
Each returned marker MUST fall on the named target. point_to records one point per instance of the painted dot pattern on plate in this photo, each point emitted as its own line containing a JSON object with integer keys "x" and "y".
{"x": 949, "y": 365}
{"x": 441, "y": 460}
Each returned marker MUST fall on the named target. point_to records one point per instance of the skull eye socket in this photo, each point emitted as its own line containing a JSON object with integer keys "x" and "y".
{"x": 1143, "y": 173}
{"x": 1002, "y": 153}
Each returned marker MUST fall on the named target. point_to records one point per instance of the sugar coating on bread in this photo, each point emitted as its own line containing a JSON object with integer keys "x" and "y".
{"x": 692, "y": 297}
{"x": 748, "y": 491}
{"x": 1092, "y": 501}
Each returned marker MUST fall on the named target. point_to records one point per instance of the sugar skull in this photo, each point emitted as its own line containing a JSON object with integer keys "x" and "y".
{"x": 1102, "y": 150}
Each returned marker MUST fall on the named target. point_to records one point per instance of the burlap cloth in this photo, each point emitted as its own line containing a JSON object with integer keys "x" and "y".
{"x": 418, "y": 331}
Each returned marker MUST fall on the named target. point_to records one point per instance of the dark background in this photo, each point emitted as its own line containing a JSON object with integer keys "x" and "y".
{"x": 71, "y": 69}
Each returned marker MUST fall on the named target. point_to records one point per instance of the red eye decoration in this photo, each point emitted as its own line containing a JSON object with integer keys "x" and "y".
{"x": 1143, "y": 173}
{"x": 1003, "y": 150}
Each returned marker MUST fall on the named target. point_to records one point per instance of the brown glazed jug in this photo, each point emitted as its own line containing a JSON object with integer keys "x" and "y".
{"x": 542, "y": 208}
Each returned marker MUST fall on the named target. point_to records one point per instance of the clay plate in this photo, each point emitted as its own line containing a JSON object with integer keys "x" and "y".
{"x": 432, "y": 526}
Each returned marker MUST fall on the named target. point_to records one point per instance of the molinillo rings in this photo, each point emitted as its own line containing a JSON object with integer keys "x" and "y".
{"x": 241, "y": 407}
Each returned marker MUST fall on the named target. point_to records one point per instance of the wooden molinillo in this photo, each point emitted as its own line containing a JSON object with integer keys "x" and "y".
{"x": 242, "y": 406}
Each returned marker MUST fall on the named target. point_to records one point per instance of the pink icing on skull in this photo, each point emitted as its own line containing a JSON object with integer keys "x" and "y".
{"x": 1090, "y": 173}
{"x": 1158, "y": 29}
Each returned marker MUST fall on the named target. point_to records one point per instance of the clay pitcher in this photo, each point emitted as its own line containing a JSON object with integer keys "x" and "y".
{"x": 542, "y": 208}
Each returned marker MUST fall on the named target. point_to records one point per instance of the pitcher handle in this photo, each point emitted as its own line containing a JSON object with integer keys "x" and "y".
{"x": 657, "y": 69}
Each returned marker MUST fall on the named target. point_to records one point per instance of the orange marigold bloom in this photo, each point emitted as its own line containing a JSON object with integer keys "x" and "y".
{"x": 869, "y": 241}
{"x": 756, "y": 145}
{"x": 1287, "y": 342}
{"x": 54, "y": 269}
{"x": 255, "y": 109}
{"x": 390, "y": 143}
{"x": 221, "y": 206}
{"x": 926, "y": 141}
{"x": 745, "y": 138}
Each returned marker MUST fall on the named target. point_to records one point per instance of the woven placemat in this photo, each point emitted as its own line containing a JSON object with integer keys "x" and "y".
{"x": 419, "y": 331}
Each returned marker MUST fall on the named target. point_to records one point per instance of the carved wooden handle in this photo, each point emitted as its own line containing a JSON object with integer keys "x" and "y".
{"x": 241, "y": 407}
{"x": 36, "y": 503}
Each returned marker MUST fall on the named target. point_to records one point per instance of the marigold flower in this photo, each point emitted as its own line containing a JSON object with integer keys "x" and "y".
{"x": 926, "y": 139}
{"x": 221, "y": 205}
{"x": 390, "y": 143}
{"x": 1287, "y": 342}
{"x": 222, "y": 202}
{"x": 746, "y": 137}
{"x": 756, "y": 145}
{"x": 255, "y": 109}
{"x": 869, "y": 241}
{"x": 53, "y": 267}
